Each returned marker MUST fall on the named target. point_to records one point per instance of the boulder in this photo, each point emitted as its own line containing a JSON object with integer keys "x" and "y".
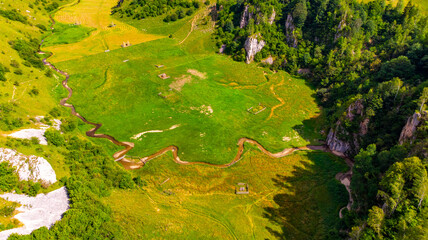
{"x": 268, "y": 60}
{"x": 253, "y": 46}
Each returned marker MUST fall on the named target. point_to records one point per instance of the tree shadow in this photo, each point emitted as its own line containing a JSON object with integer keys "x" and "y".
{"x": 308, "y": 202}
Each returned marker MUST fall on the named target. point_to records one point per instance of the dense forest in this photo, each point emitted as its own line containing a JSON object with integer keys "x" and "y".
{"x": 369, "y": 64}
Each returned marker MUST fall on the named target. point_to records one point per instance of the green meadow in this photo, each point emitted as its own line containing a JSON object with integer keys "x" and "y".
{"x": 295, "y": 197}
{"x": 66, "y": 34}
{"x": 204, "y": 107}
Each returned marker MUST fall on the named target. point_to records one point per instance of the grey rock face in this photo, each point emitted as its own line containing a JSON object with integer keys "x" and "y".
{"x": 408, "y": 132}
{"x": 289, "y": 31}
{"x": 334, "y": 143}
{"x": 245, "y": 18}
{"x": 272, "y": 17}
{"x": 253, "y": 46}
{"x": 351, "y": 145}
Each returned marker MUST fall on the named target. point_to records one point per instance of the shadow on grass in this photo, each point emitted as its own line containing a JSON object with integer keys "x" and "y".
{"x": 308, "y": 204}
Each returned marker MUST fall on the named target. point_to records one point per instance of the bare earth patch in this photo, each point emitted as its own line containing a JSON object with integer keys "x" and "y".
{"x": 181, "y": 81}
{"x": 42, "y": 210}
{"x": 197, "y": 73}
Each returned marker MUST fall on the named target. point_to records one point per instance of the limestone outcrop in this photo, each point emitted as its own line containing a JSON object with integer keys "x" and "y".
{"x": 42, "y": 210}
{"x": 289, "y": 31}
{"x": 409, "y": 130}
{"x": 341, "y": 141}
{"x": 272, "y": 17}
{"x": 253, "y": 46}
{"x": 246, "y": 16}
{"x": 33, "y": 168}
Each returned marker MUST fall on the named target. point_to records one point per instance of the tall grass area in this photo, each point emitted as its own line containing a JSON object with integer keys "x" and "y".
{"x": 295, "y": 196}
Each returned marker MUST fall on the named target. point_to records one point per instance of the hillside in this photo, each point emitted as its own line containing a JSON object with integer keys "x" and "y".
{"x": 234, "y": 119}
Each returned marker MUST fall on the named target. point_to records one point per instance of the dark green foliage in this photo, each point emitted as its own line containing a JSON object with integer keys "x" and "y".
{"x": 52, "y": 6}
{"x": 140, "y": 9}
{"x": 42, "y": 27}
{"x": 8, "y": 178}
{"x": 27, "y": 50}
{"x": 34, "y": 92}
{"x": 300, "y": 12}
{"x": 7, "y": 119}
{"x": 2, "y": 72}
{"x": 68, "y": 124}
{"x": 55, "y": 112}
{"x": 400, "y": 67}
{"x": 14, "y": 16}
{"x": 54, "y": 137}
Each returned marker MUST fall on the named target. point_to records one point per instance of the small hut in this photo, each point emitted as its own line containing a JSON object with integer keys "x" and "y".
{"x": 126, "y": 44}
{"x": 163, "y": 76}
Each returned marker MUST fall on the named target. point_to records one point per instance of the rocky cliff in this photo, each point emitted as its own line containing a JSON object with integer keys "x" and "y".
{"x": 253, "y": 46}
{"x": 409, "y": 130}
{"x": 272, "y": 17}
{"x": 246, "y": 16}
{"x": 340, "y": 27}
{"x": 289, "y": 31}
{"x": 32, "y": 168}
{"x": 341, "y": 141}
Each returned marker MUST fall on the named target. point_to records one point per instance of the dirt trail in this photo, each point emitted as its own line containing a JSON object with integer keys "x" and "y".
{"x": 345, "y": 179}
{"x": 195, "y": 18}
{"x": 282, "y": 102}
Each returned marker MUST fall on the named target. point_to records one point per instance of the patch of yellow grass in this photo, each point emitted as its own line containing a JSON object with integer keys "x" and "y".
{"x": 96, "y": 14}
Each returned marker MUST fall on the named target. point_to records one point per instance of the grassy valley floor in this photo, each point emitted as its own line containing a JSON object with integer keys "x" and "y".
{"x": 203, "y": 103}
{"x": 294, "y": 197}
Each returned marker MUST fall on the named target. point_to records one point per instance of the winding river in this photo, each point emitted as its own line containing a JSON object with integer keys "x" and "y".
{"x": 120, "y": 156}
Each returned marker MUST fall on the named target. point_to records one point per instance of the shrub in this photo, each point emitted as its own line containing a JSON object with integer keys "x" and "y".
{"x": 42, "y": 27}
{"x": 13, "y": 15}
{"x": 8, "y": 178}
{"x": 54, "y": 137}
{"x": 68, "y": 124}
{"x": 14, "y": 63}
{"x": 189, "y": 12}
{"x": 27, "y": 50}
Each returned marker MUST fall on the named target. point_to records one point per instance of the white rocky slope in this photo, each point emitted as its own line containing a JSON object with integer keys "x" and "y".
{"x": 38, "y": 133}
{"x": 253, "y": 46}
{"x": 31, "y": 167}
{"x": 42, "y": 210}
